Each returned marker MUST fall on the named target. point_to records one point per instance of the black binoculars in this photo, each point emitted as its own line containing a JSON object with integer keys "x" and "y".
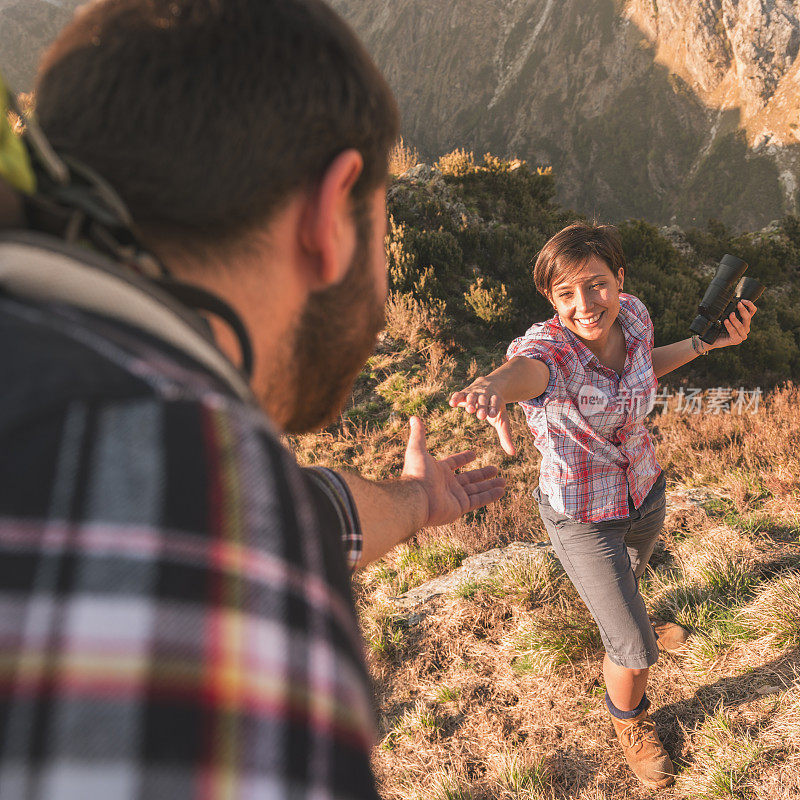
{"x": 722, "y": 297}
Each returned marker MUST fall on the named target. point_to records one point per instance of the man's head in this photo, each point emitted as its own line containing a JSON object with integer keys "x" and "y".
{"x": 211, "y": 118}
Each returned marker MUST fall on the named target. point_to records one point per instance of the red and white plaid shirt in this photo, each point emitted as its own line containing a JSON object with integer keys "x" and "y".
{"x": 589, "y": 422}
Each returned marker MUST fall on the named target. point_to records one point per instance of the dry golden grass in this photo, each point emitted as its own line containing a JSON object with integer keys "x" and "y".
{"x": 497, "y": 690}
{"x": 402, "y": 157}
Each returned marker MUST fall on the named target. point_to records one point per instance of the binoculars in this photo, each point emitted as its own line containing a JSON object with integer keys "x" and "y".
{"x": 721, "y": 299}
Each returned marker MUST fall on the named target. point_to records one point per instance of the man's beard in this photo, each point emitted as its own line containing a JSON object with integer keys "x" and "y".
{"x": 333, "y": 339}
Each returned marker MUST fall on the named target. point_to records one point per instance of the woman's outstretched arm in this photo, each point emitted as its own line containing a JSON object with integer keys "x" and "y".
{"x": 520, "y": 378}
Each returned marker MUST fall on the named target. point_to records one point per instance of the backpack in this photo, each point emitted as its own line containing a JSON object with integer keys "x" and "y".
{"x": 67, "y": 237}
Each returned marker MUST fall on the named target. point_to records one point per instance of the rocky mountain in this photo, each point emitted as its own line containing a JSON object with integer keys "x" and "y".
{"x": 26, "y": 28}
{"x": 670, "y": 110}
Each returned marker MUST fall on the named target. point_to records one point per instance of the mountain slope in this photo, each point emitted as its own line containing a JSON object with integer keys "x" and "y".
{"x": 672, "y": 110}
{"x": 26, "y": 28}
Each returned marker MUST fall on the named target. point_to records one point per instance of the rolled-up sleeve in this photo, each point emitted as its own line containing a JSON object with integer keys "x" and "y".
{"x": 344, "y": 507}
{"x": 535, "y": 348}
{"x": 639, "y": 310}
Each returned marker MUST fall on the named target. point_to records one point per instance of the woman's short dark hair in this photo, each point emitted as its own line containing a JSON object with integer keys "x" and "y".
{"x": 205, "y": 115}
{"x": 571, "y": 248}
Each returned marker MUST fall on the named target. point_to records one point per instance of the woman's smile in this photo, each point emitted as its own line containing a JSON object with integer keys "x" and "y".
{"x": 588, "y": 302}
{"x": 591, "y": 322}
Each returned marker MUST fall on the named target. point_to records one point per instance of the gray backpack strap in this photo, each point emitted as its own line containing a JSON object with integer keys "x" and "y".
{"x": 46, "y": 270}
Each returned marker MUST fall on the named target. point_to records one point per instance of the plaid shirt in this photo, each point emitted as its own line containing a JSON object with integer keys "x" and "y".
{"x": 175, "y": 611}
{"x": 589, "y": 422}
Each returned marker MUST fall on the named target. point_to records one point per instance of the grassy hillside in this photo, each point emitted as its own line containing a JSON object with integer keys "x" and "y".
{"x": 495, "y": 690}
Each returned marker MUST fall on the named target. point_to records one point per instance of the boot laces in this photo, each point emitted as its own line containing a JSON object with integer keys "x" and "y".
{"x": 640, "y": 732}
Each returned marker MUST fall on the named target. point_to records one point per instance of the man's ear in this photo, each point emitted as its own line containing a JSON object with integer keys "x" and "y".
{"x": 620, "y": 278}
{"x": 327, "y": 229}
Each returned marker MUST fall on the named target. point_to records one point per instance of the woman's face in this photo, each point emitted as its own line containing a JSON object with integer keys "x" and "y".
{"x": 587, "y": 300}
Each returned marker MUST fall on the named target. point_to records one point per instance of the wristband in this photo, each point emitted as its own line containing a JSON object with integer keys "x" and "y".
{"x": 697, "y": 346}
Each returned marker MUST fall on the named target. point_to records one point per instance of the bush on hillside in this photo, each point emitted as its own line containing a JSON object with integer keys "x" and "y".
{"x": 464, "y": 236}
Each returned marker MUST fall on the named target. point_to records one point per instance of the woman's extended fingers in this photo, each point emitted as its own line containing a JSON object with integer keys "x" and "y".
{"x": 458, "y": 398}
{"x": 466, "y": 398}
{"x": 474, "y": 400}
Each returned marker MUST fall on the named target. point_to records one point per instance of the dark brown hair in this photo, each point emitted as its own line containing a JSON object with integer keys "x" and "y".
{"x": 572, "y": 247}
{"x": 205, "y": 115}
{"x": 10, "y": 207}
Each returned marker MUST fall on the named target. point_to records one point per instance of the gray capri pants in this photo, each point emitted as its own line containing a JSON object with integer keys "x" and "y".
{"x": 604, "y": 561}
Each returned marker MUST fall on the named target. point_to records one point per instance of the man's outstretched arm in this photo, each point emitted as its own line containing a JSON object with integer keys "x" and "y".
{"x": 428, "y": 493}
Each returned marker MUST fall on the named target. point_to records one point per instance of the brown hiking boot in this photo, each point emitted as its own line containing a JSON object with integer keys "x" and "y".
{"x": 670, "y": 637}
{"x": 643, "y": 750}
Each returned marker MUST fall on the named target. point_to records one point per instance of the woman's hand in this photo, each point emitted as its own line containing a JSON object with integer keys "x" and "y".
{"x": 737, "y": 329}
{"x": 484, "y": 399}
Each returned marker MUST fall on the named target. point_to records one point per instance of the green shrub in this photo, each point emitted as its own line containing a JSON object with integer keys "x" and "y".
{"x": 465, "y": 241}
{"x": 490, "y": 301}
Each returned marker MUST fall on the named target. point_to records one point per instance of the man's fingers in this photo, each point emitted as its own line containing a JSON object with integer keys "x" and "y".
{"x": 477, "y": 475}
{"x": 482, "y": 498}
{"x": 458, "y": 460}
{"x": 478, "y": 487}
{"x": 416, "y": 438}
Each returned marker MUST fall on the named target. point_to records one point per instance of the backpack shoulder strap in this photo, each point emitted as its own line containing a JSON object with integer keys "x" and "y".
{"x": 44, "y": 269}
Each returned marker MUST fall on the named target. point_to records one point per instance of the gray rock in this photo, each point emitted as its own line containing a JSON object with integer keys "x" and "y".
{"x": 420, "y": 172}
{"x": 677, "y": 238}
{"x": 630, "y": 102}
{"x": 477, "y": 568}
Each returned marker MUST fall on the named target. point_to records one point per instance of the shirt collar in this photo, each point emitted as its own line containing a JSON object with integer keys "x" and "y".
{"x": 630, "y": 321}
{"x": 585, "y": 355}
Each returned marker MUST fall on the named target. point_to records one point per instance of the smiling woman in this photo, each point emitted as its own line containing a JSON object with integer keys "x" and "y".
{"x": 588, "y": 305}
{"x": 586, "y": 379}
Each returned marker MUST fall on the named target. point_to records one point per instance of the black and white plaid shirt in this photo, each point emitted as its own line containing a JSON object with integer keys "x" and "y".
{"x": 175, "y": 611}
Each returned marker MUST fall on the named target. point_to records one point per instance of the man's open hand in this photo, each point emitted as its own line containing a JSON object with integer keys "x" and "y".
{"x": 449, "y": 494}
